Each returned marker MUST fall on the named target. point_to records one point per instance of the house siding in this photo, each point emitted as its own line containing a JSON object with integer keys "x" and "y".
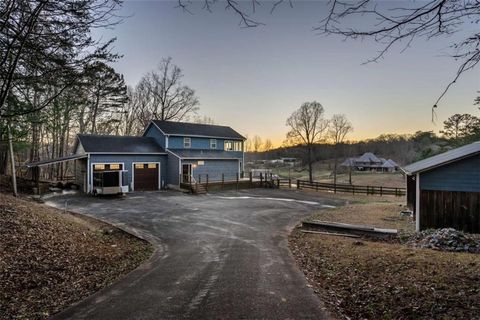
{"x": 215, "y": 169}
{"x": 128, "y": 160}
{"x": 173, "y": 170}
{"x": 153, "y": 132}
{"x": 462, "y": 175}
{"x": 176, "y": 142}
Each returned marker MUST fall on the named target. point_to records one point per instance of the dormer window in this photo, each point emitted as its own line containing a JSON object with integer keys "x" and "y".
{"x": 187, "y": 143}
{"x": 213, "y": 143}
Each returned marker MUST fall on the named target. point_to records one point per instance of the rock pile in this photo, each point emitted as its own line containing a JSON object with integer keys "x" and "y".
{"x": 447, "y": 239}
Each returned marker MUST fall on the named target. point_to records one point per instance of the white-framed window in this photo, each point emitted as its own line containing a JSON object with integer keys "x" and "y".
{"x": 187, "y": 142}
{"x": 213, "y": 143}
{"x": 228, "y": 145}
{"x": 233, "y": 145}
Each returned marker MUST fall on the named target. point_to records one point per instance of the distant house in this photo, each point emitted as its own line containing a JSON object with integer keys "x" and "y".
{"x": 444, "y": 190}
{"x": 370, "y": 162}
{"x": 168, "y": 153}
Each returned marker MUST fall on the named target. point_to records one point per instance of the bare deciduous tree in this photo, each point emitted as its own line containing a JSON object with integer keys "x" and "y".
{"x": 257, "y": 143}
{"x": 338, "y": 129}
{"x": 268, "y": 145}
{"x": 307, "y": 127}
{"x": 401, "y": 25}
{"x": 166, "y": 96}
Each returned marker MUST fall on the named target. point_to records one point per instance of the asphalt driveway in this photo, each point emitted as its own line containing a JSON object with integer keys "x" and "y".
{"x": 219, "y": 256}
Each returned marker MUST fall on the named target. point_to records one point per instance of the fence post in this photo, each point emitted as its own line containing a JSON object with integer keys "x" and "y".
{"x": 335, "y": 187}
{"x": 289, "y": 183}
{"x": 261, "y": 180}
{"x": 199, "y": 178}
{"x": 396, "y": 192}
{"x": 238, "y": 174}
{"x": 250, "y": 180}
{"x": 278, "y": 183}
{"x": 298, "y": 184}
{"x": 223, "y": 179}
{"x": 316, "y": 186}
{"x": 190, "y": 180}
{"x": 353, "y": 189}
{"x": 381, "y": 191}
{"x": 206, "y": 187}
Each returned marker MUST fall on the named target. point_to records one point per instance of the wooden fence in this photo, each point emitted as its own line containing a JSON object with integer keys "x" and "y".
{"x": 353, "y": 189}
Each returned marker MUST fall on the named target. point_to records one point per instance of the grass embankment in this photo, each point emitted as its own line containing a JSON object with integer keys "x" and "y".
{"x": 380, "y": 280}
{"x": 49, "y": 259}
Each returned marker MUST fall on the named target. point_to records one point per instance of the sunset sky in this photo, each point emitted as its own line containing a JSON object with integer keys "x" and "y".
{"x": 253, "y": 78}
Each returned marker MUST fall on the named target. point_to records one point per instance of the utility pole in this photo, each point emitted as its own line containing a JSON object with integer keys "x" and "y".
{"x": 12, "y": 161}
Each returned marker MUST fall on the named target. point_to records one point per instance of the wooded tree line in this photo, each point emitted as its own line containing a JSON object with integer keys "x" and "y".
{"x": 458, "y": 130}
{"x": 56, "y": 80}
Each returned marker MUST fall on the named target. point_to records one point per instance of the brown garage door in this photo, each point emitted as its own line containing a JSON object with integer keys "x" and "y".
{"x": 145, "y": 176}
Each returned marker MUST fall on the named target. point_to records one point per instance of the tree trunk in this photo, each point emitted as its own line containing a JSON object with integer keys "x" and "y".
{"x": 12, "y": 161}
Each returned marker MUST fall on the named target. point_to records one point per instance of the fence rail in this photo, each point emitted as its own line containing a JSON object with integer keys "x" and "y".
{"x": 353, "y": 189}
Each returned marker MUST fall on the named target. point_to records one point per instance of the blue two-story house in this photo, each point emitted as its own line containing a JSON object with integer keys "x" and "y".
{"x": 168, "y": 154}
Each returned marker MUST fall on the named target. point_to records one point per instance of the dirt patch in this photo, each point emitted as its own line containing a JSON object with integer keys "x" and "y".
{"x": 378, "y": 280}
{"x": 375, "y": 214}
{"x": 49, "y": 259}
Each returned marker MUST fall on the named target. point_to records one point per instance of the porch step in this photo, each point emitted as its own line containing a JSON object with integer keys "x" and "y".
{"x": 199, "y": 189}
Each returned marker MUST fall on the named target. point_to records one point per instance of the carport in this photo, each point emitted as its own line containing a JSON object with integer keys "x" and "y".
{"x": 79, "y": 163}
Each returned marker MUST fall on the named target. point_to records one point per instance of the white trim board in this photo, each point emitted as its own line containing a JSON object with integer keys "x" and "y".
{"x": 90, "y": 185}
{"x": 417, "y": 202}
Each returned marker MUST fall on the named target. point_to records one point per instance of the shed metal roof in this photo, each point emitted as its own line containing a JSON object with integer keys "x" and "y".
{"x": 204, "y": 154}
{"x": 196, "y": 129}
{"x": 444, "y": 158}
{"x": 93, "y": 143}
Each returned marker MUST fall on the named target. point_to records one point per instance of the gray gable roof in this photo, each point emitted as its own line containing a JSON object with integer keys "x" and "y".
{"x": 369, "y": 157}
{"x": 196, "y": 129}
{"x": 444, "y": 158}
{"x": 121, "y": 144}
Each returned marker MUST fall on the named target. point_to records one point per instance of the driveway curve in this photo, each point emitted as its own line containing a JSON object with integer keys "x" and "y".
{"x": 219, "y": 256}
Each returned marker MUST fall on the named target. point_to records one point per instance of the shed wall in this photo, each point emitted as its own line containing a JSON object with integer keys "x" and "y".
{"x": 450, "y": 209}
{"x": 462, "y": 175}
